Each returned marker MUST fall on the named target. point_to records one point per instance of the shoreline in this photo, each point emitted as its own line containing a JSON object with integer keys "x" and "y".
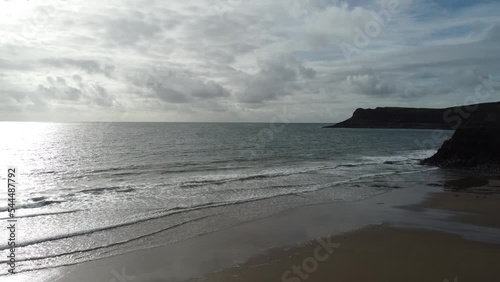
{"x": 413, "y": 207}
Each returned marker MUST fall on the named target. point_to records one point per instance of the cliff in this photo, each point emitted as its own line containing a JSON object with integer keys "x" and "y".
{"x": 403, "y": 118}
{"x": 475, "y": 144}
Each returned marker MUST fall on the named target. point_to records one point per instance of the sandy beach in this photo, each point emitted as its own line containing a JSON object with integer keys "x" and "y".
{"x": 428, "y": 231}
{"x": 377, "y": 253}
{"x": 387, "y": 253}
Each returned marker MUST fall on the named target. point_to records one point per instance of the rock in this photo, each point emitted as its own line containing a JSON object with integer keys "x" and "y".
{"x": 418, "y": 118}
{"x": 475, "y": 144}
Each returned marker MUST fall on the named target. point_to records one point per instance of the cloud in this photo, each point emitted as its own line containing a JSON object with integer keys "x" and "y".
{"x": 128, "y": 32}
{"x": 58, "y": 90}
{"x": 178, "y": 86}
{"x": 10, "y": 65}
{"x": 368, "y": 84}
{"x": 89, "y": 66}
{"x": 279, "y": 76}
{"x": 240, "y": 60}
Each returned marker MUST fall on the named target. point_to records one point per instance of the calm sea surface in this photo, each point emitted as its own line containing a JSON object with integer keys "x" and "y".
{"x": 91, "y": 190}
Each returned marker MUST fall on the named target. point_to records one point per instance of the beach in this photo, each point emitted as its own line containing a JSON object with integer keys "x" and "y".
{"x": 423, "y": 232}
{"x": 385, "y": 252}
{"x": 377, "y": 253}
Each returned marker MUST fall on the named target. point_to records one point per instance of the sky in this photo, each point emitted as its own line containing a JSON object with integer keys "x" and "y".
{"x": 242, "y": 60}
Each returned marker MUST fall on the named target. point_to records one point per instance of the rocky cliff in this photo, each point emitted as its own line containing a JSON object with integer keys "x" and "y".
{"x": 447, "y": 118}
{"x": 475, "y": 144}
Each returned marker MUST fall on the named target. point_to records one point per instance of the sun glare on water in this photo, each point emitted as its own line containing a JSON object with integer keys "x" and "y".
{"x": 20, "y": 138}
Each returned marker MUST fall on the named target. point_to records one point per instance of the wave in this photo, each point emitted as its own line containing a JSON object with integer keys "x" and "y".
{"x": 170, "y": 212}
{"x": 405, "y": 157}
{"x": 218, "y": 180}
{"x": 175, "y": 210}
{"x": 181, "y": 209}
{"x": 41, "y": 214}
{"x": 131, "y": 170}
{"x": 38, "y": 204}
{"x": 356, "y": 164}
{"x": 413, "y": 155}
{"x": 101, "y": 190}
{"x": 112, "y": 244}
{"x": 375, "y": 160}
{"x": 135, "y": 170}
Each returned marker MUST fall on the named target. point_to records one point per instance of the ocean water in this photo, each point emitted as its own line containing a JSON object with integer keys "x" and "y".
{"x": 92, "y": 190}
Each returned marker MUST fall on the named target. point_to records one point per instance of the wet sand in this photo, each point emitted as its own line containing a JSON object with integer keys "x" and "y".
{"x": 476, "y": 200}
{"x": 385, "y": 252}
{"x": 378, "y": 253}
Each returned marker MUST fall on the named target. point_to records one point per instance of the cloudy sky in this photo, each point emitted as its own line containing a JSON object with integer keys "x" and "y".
{"x": 242, "y": 60}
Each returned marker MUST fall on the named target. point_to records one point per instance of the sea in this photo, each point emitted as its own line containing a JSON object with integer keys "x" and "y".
{"x": 93, "y": 190}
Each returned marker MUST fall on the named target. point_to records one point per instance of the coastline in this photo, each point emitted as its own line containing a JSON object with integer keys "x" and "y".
{"x": 420, "y": 209}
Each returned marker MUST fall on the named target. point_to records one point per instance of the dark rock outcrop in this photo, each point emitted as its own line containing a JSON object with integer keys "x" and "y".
{"x": 475, "y": 144}
{"x": 419, "y": 118}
